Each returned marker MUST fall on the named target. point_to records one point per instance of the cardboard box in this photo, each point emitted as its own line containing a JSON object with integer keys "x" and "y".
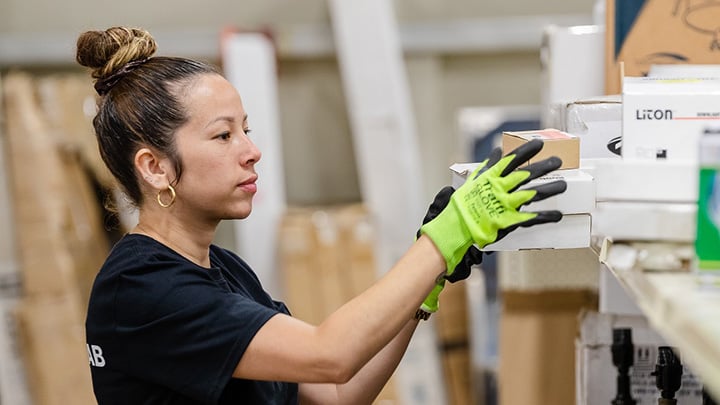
{"x": 650, "y": 181}
{"x": 451, "y": 325}
{"x": 613, "y": 297}
{"x": 13, "y": 381}
{"x": 326, "y": 258}
{"x": 54, "y": 350}
{"x": 7, "y": 230}
{"x": 684, "y": 71}
{"x": 596, "y": 375}
{"x": 597, "y": 121}
{"x": 537, "y": 353}
{"x": 663, "y": 119}
{"x": 645, "y": 221}
{"x": 8, "y": 260}
{"x": 456, "y": 370}
{"x": 572, "y": 232}
{"x": 578, "y": 198}
{"x": 549, "y": 269}
{"x": 557, "y": 143}
{"x": 643, "y": 33}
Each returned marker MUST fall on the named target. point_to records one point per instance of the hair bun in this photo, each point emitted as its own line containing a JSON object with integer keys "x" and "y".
{"x": 107, "y": 51}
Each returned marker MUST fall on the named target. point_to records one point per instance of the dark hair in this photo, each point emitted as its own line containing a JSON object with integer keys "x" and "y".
{"x": 140, "y": 100}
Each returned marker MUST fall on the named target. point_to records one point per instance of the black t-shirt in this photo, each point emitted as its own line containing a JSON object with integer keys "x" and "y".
{"x": 162, "y": 330}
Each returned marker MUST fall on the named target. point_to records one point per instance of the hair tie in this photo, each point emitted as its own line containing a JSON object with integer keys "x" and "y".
{"x": 103, "y": 86}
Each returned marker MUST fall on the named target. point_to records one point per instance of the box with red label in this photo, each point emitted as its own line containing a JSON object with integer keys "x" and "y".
{"x": 557, "y": 143}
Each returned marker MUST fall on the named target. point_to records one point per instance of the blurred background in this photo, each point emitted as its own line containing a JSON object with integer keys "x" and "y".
{"x": 457, "y": 54}
{"x": 360, "y": 108}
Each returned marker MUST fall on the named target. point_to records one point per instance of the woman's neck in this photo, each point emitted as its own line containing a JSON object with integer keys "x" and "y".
{"x": 192, "y": 242}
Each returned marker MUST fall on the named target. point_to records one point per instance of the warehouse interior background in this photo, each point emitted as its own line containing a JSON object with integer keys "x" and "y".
{"x": 462, "y": 71}
{"x": 523, "y": 329}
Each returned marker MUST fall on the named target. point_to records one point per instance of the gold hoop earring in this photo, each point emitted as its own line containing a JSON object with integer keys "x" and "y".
{"x": 171, "y": 190}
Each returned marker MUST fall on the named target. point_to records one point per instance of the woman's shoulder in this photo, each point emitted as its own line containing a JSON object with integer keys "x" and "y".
{"x": 134, "y": 243}
{"x": 141, "y": 269}
{"x": 140, "y": 253}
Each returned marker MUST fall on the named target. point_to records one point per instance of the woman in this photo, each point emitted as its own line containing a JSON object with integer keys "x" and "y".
{"x": 173, "y": 319}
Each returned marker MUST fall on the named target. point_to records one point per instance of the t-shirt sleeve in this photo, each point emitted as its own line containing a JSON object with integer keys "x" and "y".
{"x": 184, "y": 331}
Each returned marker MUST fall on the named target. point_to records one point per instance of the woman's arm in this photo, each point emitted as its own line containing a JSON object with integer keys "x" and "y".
{"x": 486, "y": 207}
{"x": 365, "y": 386}
{"x": 287, "y": 349}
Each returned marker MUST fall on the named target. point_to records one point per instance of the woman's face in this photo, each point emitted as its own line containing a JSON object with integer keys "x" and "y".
{"x": 218, "y": 179}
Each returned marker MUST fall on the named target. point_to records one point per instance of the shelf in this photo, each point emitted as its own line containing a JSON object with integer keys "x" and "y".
{"x": 687, "y": 316}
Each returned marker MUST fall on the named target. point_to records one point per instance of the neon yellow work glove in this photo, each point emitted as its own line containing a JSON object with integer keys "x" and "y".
{"x": 486, "y": 207}
{"x": 471, "y": 258}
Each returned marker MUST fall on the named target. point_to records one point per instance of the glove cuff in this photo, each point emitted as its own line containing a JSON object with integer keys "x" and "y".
{"x": 432, "y": 301}
{"x": 450, "y": 235}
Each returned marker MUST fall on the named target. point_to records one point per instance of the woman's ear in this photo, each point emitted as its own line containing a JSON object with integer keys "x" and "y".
{"x": 152, "y": 168}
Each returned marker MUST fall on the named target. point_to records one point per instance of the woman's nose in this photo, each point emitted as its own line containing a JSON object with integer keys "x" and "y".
{"x": 251, "y": 153}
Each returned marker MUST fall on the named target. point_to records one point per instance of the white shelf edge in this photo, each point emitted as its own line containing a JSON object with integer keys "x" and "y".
{"x": 668, "y": 312}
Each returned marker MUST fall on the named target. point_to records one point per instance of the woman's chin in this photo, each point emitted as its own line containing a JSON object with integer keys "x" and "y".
{"x": 240, "y": 213}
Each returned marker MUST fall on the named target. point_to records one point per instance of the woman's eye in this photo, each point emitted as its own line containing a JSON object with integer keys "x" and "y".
{"x": 223, "y": 136}
{"x": 247, "y": 131}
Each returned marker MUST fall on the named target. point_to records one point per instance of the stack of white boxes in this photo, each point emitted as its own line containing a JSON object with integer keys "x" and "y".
{"x": 651, "y": 193}
{"x": 577, "y": 202}
{"x": 648, "y": 195}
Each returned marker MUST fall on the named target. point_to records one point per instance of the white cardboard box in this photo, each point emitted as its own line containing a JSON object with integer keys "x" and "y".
{"x": 612, "y": 297}
{"x": 596, "y": 375}
{"x": 576, "y": 203}
{"x": 623, "y": 180}
{"x": 597, "y": 121}
{"x": 663, "y": 119}
{"x": 684, "y": 70}
{"x": 579, "y": 198}
{"x": 572, "y": 232}
{"x": 645, "y": 221}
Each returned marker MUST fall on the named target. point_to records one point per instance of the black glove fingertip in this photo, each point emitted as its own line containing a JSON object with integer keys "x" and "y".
{"x": 544, "y": 217}
{"x": 542, "y": 167}
{"x": 493, "y": 158}
{"x": 523, "y": 153}
{"x": 554, "y": 163}
{"x": 546, "y": 190}
{"x": 553, "y": 216}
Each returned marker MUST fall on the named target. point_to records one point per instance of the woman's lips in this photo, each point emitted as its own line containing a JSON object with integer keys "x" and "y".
{"x": 250, "y": 185}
